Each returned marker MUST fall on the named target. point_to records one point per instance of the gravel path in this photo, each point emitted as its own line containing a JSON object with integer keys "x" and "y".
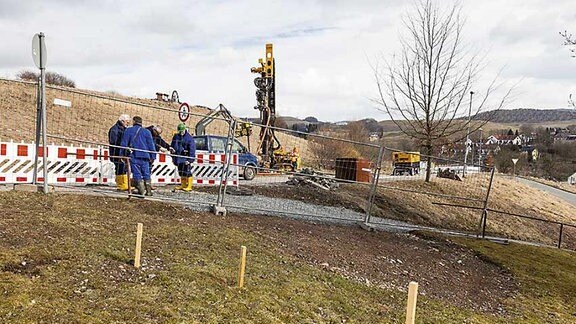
{"x": 262, "y": 205}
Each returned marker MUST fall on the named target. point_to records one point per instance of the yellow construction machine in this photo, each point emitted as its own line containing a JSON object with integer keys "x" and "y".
{"x": 272, "y": 154}
{"x": 406, "y": 163}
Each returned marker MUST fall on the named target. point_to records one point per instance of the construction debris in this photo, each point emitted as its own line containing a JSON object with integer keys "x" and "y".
{"x": 308, "y": 176}
{"x": 448, "y": 174}
{"x": 236, "y": 191}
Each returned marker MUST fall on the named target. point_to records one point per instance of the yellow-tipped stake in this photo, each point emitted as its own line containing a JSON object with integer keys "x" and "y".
{"x": 411, "y": 308}
{"x": 138, "y": 245}
{"x": 242, "y": 267}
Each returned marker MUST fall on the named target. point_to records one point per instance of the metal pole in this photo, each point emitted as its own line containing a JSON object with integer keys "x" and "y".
{"x": 480, "y": 151}
{"x": 560, "y": 237}
{"x": 44, "y": 119}
{"x": 38, "y": 126}
{"x": 374, "y": 185}
{"x": 485, "y": 208}
{"x": 467, "y": 134}
{"x": 226, "y": 168}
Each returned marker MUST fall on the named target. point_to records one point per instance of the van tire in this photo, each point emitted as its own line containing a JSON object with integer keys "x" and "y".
{"x": 249, "y": 172}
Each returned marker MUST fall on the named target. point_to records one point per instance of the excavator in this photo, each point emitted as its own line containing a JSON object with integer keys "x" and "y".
{"x": 271, "y": 152}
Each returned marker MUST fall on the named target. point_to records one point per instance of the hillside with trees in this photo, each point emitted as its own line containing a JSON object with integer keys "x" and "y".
{"x": 524, "y": 115}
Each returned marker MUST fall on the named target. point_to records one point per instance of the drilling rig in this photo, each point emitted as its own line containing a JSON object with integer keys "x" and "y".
{"x": 269, "y": 148}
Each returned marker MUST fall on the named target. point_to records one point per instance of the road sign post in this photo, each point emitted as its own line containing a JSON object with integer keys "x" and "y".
{"x": 39, "y": 55}
{"x": 514, "y": 169}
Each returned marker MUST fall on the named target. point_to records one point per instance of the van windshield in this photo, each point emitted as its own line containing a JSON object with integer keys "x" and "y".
{"x": 218, "y": 144}
{"x": 201, "y": 143}
{"x": 237, "y": 147}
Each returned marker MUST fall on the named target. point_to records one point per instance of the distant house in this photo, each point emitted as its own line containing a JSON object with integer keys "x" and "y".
{"x": 572, "y": 179}
{"x": 374, "y": 136}
{"x": 519, "y": 140}
{"x": 531, "y": 153}
{"x": 500, "y": 139}
{"x": 558, "y": 130}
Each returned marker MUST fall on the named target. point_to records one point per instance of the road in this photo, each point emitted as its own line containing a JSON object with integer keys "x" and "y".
{"x": 566, "y": 196}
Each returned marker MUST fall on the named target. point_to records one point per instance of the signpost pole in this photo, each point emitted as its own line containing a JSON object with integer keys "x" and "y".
{"x": 38, "y": 127}
{"x": 514, "y": 169}
{"x": 44, "y": 119}
{"x": 39, "y": 56}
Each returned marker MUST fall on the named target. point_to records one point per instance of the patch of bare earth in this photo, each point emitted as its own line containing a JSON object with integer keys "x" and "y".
{"x": 444, "y": 270}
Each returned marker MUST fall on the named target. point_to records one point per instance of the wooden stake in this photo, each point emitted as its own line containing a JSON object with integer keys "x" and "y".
{"x": 242, "y": 267}
{"x": 411, "y": 308}
{"x": 138, "y": 245}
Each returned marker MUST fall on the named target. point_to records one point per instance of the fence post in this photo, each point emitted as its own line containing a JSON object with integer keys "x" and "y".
{"x": 560, "y": 237}
{"x": 411, "y": 305}
{"x": 485, "y": 207}
{"x": 375, "y": 180}
{"x": 101, "y": 165}
{"x": 226, "y": 168}
{"x": 38, "y": 126}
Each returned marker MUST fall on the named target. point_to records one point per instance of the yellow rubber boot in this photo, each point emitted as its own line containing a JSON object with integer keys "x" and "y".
{"x": 183, "y": 184}
{"x": 189, "y": 182}
{"x": 122, "y": 182}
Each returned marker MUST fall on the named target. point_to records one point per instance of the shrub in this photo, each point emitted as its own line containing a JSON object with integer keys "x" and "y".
{"x": 51, "y": 78}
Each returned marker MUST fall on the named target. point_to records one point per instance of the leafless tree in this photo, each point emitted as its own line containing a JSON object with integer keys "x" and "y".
{"x": 425, "y": 90}
{"x": 570, "y": 41}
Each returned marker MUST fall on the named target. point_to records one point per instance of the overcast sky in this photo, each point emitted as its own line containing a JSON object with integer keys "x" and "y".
{"x": 323, "y": 49}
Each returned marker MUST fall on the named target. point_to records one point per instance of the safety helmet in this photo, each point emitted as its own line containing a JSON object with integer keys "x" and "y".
{"x": 181, "y": 127}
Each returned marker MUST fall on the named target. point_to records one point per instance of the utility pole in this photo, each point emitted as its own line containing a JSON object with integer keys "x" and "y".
{"x": 480, "y": 151}
{"x": 467, "y": 134}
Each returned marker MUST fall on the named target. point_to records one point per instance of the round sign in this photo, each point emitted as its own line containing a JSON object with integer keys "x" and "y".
{"x": 39, "y": 51}
{"x": 184, "y": 112}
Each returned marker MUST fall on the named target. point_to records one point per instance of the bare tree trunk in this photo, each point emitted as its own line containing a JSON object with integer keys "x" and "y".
{"x": 428, "y": 161}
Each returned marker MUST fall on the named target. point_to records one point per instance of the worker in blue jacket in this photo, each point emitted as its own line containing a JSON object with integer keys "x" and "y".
{"x": 137, "y": 143}
{"x": 184, "y": 156}
{"x": 115, "y": 139}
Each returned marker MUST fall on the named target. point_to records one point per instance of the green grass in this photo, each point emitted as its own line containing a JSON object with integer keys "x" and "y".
{"x": 547, "y": 279}
{"x": 68, "y": 259}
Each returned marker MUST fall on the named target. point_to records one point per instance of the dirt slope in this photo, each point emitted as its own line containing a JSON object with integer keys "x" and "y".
{"x": 93, "y": 113}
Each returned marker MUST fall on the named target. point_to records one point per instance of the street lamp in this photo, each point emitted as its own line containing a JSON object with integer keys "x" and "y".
{"x": 468, "y": 133}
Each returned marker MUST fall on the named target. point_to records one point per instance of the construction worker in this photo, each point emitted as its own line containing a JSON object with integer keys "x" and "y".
{"x": 184, "y": 155}
{"x": 115, "y": 139}
{"x": 295, "y": 156}
{"x": 160, "y": 144}
{"x": 137, "y": 143}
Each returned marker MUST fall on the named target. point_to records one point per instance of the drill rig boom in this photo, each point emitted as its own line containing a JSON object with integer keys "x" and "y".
{"x": 266, "y": 104}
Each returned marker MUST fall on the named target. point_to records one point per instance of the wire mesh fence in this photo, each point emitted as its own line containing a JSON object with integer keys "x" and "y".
{"x": 326, "y": 175}
{"x": 18, "y": 119}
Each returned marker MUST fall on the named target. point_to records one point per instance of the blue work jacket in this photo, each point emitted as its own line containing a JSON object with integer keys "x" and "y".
{"x": 138, "y": 138}
{"x": 115, "y": 138}
{"x": 183, "y": 145}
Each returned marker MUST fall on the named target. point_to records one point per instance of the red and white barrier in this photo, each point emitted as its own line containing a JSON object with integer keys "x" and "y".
{"x": 91, "y": 165}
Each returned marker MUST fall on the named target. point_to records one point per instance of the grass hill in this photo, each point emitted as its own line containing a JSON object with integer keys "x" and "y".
{"x": 69, "y": 258}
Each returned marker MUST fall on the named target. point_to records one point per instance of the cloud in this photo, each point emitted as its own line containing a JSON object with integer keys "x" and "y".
{"x": 204, "y": 49}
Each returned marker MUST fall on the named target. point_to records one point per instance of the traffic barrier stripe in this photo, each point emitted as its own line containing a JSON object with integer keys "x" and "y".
{"x": 71, "y": 165}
